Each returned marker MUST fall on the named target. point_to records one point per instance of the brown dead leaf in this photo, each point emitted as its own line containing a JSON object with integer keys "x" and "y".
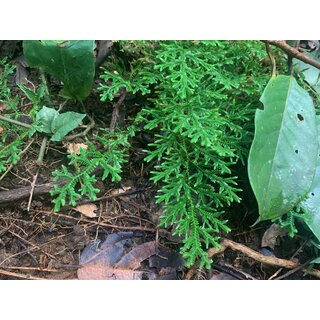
{"x": 124, "y": 188}
{"x": 87, "y": 210}
{"x": 75, "y": 147}
{"x": 271, "y": 236}
{"x": 120, "y": 258}
{"x": 1, "y": 129}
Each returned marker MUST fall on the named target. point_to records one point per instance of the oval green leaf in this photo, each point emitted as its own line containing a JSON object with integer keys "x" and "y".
{"x": 311, "y": 205}
{"x": 283, "y": 154}
{"x": 71, "y": 62}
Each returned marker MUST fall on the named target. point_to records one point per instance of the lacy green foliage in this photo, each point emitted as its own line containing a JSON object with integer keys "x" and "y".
{"x": 139, "y": 77}
{"x": 202, "y": 93}
{"x": 80, "y": 180}
{"x": 290, "y": 220}
{"x": 38, "y": 98}
{"x": 6, "y": 97}
{"x": 9, "y": 153}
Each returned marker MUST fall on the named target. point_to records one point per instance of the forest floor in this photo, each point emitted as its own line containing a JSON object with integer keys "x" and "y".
{"x": 38, "y": 243}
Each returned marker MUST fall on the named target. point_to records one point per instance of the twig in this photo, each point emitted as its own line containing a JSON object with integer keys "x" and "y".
{"x": 115, "y": 112}
{"x": 272, "y": 59}
{"x": 121, "y": 194}
{"x": 295, "y": 253}
{"x": 246, "y": 275}
{"x": 20, "y": 155}
{"x": 19, "y": 275}
{"x": 273, "y": 261}
{"x": 287, "y": 274}
{"x": 22, "y": 124}
{"x": 293, "y": 52}
{"x": 30, "y": 268}
{"x": 33, "y": 184}
{"x": 24, "y": 192}
{"x": 102, "y": 224}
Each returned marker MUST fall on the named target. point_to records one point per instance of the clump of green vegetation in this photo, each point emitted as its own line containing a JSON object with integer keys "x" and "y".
{"x": 202, "y": 95}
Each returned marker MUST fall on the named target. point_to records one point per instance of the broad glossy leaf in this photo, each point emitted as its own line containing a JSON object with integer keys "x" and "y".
{"x": 311, "y": 205}
{"x": 283, "y": 155}
{"x": 72, "y": 62}
{"x": 311, "y": 74}
{"x": 64, "y": 123}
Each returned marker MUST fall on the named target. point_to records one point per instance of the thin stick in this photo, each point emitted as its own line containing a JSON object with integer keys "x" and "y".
{"x": 293, "y": 52}
{"x": 30, "y": 268}
{"x": 287, "y": 274}
{"x": 33, "y": 184}
{"x": 272, "y": 59}
{"x": 296, "y": 252}
{"x": 19, "y": 275}
{"x": 102, "y": 224}
{"x": 273, "y": 261}
{"x": 22, "y": 124}
{"x": 115, "y": 112}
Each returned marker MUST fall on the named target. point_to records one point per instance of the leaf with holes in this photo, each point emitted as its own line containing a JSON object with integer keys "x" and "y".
{"x": 311, "y": 205}
{"x": 282, "y": 159}
{"x": 71, "y": 62}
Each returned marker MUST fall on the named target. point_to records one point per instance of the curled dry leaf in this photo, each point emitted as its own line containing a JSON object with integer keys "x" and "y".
{"x": 271, "y": 236}
{"x": 75, "y": 147}
{"x": 88, "y": 210}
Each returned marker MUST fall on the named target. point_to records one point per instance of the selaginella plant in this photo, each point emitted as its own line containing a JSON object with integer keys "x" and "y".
{"x": 196, "y": 112}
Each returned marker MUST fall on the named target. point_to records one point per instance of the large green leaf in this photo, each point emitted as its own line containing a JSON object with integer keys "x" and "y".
{"x": 311, "y": 205}
{"x": 283, "y": 155}
{"x": 72, "y": 62}
{"x": 311, "y": 74}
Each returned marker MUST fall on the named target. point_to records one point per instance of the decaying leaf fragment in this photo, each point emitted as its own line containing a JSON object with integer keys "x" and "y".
{"x": 120, "y": 258}
{"x": 88, "y": 210}
{"x": 74, "y": 148}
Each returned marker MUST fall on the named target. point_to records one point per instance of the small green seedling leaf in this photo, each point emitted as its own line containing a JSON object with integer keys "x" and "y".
{"x": 64, "y": 123}
{"x": 59, "y": 125}
{"x": 45, "y": 118}
{"x": 71, "y": 62}
{"x": 282, "y": 159}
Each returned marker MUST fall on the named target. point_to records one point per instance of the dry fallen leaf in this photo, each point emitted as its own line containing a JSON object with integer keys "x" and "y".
{"x": 271, "y": 236}
{"x": 75, "y": 147}
{"x": 120, "y": 258}
{"x": 87, "y": 210}
{"x": 1, "y": 129}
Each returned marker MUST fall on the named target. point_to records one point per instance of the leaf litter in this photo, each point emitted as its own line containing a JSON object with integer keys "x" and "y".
{"x": 122, "y": 257}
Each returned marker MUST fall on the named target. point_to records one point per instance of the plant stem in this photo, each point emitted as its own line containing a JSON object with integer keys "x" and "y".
{"x": 42, "y": 150}
{"x": 294, "y": 52}
{"x": 22, "y": 124}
